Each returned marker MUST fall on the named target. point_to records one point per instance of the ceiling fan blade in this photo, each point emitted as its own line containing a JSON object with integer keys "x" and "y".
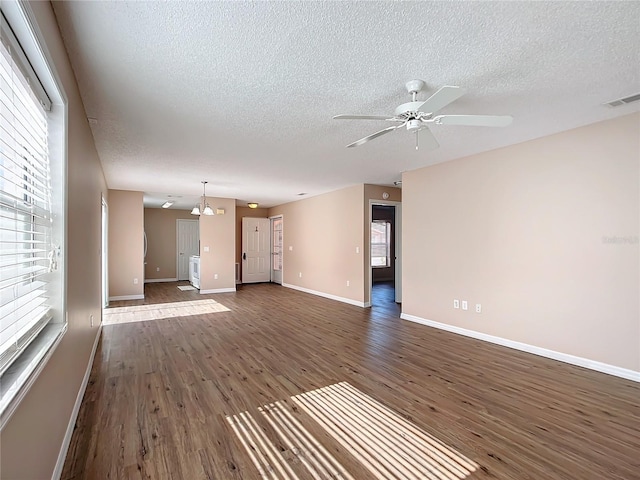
{"x": 427, "y": 140}
{"x": 474, "y": 120}
{"x": 441, "y": 99}
{"x": 366, "y": 117}
{"x": 374, "y": 135}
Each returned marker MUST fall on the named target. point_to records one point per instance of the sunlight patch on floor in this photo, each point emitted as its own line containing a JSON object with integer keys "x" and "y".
{"x": 264, "y": 455}
{"x": 316, "y": 458}
{"x": 385, "y": 443}
{"x": 157, "y": 311}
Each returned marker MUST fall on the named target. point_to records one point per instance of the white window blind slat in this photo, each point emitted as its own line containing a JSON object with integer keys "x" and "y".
{"x": 9, "y": 295}
{"x": 25, "y": 209}
{"x": 21, "y": 311}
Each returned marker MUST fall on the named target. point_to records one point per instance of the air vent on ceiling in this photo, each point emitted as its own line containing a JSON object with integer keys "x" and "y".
{"x": 624, "y": 101}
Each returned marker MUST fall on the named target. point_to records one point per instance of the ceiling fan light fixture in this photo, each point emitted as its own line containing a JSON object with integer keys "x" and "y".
{"x": 252, "y": 205}
{"x": 413, "y": 125}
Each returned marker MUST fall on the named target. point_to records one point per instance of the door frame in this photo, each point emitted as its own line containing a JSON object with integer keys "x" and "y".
{"x": 104, "y": 251}
{"x": 281, "y": 216}
{"x": 178, "y": 220}
{"x": 398, "y": 246}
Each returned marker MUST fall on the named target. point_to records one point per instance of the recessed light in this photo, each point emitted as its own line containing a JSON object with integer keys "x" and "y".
{"x": 303, "y": 193}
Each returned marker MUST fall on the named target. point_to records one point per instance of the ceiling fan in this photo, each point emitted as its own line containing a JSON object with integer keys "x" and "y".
{"x": 416, "y": 116}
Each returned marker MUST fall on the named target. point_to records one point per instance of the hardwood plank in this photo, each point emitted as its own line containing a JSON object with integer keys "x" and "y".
{"x": 161, "y": 390}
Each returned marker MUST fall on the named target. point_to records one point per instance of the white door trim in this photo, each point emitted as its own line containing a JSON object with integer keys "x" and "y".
{"x": 104, "y": 251}
{"x": 281, "y": 216}
{"x": 398, "y": 245}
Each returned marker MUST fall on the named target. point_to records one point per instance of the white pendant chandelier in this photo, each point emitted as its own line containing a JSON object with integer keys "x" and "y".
{"x": 203, "y": 208}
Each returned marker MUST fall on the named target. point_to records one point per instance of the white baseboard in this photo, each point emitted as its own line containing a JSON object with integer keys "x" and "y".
{"x": 325, "y": 295}
{"x": 126, "y": 297}
{"x": 160, "y": 280}
{"x": 217, "y": 290}
{"x": 57, "y": 472}
{"x": 543, "y": 352}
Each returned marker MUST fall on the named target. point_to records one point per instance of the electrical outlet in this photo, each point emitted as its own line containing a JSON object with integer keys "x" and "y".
{"x": 215, "y": 276}
{"x": 206, "y": 249}
{"x": 300, "y": 275}
{"x": 465, "y": 305}
{"x": 478, "y": 308}
{"x": 291, "y": 248}
{"x": 348, "y": 283}
{"x": 91, "y": 319}
{"x": 456, "y": 303}
{"x": 357, "y": 249}
{"x": 157, "y": 269}
{"x": 135, "y": 281}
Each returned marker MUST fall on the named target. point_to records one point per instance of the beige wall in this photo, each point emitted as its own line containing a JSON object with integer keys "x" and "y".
{"x": 523, "y": 230}
{"x": 32, "y": 438}
{"x": 324, "y": 232}
{"x": 218, "y": 232}
{"x": 374, "y": 192}
{"x": 126, "y": 243}
{"x": 160, "y": 227}
{"x": 246, "y": 212}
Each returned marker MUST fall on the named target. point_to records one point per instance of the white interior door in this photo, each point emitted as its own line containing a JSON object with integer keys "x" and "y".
{"x": 276, "y": 249}
{"x": 256, "y": 253}
{"x": 187, "y": 240}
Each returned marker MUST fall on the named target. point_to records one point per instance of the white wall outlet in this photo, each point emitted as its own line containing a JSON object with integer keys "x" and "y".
{"x": 291, "y": 248}
{"x": 478, "y": 308}
{"x": 215, "y": 276}
{"x": 135, "y": 281}
{"x": 91, "y": 319}
{"x": 348, "y": 283}
{"x": 456, "y": 303}
{"x": 465, "y": 305}
{"x": 157, "y": 269}
{"x": 206, "y": 249}
{"x": 300, "y": 275}
{"x": 357, "y": 249}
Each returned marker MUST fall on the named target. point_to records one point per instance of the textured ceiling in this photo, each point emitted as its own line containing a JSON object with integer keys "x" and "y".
{"x": 242, "y": 94}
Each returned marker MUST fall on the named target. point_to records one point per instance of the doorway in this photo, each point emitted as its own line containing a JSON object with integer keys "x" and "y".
{"x": 276, "y": 249}
{"x": 256, "y": 253}
{"x": 188, "y": 244}
{"x": 385, "y": 256}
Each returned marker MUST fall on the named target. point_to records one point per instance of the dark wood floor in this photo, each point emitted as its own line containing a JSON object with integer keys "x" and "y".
{"x": 161, "y": 390}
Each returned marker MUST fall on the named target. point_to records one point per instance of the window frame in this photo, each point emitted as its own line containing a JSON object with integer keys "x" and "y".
{"x": 47, "y": 86}
{"x": 387, "y": 243}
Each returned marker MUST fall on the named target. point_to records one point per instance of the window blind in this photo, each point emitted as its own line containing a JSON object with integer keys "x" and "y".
{"x": 27, "y": 256}
{"x": 380, "y": 243}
